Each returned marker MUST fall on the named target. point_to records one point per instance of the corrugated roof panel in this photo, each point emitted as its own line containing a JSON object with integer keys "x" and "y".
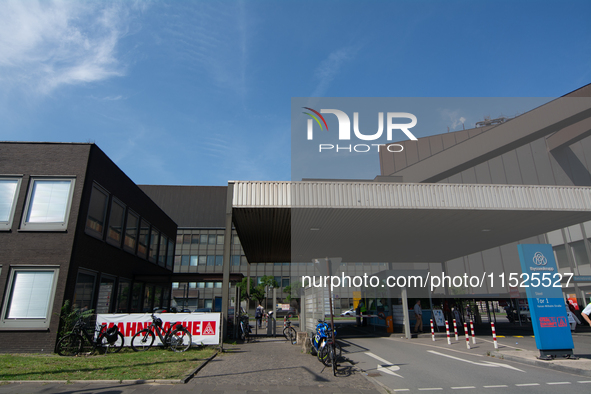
{"x": 409, "y": 196}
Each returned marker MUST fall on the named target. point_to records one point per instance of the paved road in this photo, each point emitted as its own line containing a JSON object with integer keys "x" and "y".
{"x": 421, "y": 365}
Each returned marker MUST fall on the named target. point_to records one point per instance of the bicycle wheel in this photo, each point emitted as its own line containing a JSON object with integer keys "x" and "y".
{"x": 180, "y": 340}
{"x": 290, "y": 334}
{"x": 110, "y": 347}
{"x": 142, "y": 340}
{"x": 69, "y": 345}
{"x": 322, "y": 353}
{"x": 326, "y": 358}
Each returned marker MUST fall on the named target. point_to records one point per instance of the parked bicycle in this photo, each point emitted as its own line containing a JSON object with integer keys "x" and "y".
{"x": 245, "y": 328}
{"x": 289, "y": 332}
{"x": 177, "y": 337}
{"x": 329, "y": 350}
{"x": 108, "y": 340}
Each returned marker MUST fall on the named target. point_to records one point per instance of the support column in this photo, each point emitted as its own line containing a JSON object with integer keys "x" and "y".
{"x": 248, "y": 288}
{"x": 405, "y": 314}
{"x": 226, "y": 262}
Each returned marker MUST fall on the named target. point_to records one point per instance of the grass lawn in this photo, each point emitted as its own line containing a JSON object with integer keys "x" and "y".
{"x": 152, "y": 364}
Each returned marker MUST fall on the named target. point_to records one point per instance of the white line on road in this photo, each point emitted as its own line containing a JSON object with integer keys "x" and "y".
{"x": 495, "y": 386}
{"x": 401, "y": 389}
{"x": 527, "y": 384}
{"x": 435, "y": 346}
{"x": 388, "y": 368}
{"x": 584, "y": 381}
{"x": 558, "y": 383}
{"x": 463, "y": 388}
{"x": 431, "y": 388}
{"x": 484, "y": 364}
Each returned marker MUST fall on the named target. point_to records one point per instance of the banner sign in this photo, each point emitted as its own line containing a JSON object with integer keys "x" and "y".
{"x": 204, "y": 327}
{"x": 544, "y": 293}
{"x": 439, "y": 319}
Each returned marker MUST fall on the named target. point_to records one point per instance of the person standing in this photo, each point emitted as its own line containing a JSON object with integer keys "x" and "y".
{"x": 572, "y": 318}
{"x": 586, "y": 312}
{"x": 419, "y": 316}
{"x": 258, "y": 314}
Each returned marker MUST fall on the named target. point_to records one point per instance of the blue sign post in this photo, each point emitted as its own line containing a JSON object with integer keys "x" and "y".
{"x": 541, "y": 280}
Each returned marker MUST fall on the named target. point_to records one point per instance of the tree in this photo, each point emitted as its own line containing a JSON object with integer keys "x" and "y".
{"x": 293, "y": 291}
{"x": 256, "y": 292}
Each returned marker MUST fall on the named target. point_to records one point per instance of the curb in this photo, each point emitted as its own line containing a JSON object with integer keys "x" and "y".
{"x": 543, "y": 364}
{"x": 203, "y": 364}
{"x": 138, "y": 381}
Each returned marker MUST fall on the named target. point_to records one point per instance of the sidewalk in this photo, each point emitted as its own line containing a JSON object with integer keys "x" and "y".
{"x": 265, "y": 365}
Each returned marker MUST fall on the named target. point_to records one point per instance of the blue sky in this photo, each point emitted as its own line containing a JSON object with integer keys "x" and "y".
{"x": 198, "y": 93}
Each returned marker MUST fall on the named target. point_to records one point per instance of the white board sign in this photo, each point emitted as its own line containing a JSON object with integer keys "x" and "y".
{"x": 439, "y": 319}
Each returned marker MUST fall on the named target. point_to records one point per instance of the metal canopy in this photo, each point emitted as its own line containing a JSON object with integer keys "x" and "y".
{"x": 389, "y": 222}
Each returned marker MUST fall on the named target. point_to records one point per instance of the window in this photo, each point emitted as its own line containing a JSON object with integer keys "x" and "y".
{"x": 210, "y": 260}
{"x": 29, "y": 298}
{"x": 123, "y": 296}
{"x": 195, "y": 239}
{"x": 97, "y": 211}
{"x": 208, "y": 303}
{"x": 154, "y": 234}
{"x": 579, "y": 252}
{"x": 202, "y": 260}
{"x": 105, "y": 295}
{"x": 142, "y": 247}
{"x": 131, "y": 228}
{"x": 235, "y": 260}
{"x": 203, "y": 239}
{"x": 185, "y": 260}
{"x": 218, "y": 285}
{"x": 170, "y": 255}
{"x": 84, "y": 291}
{"x": 179, "y": 239}
{"x": 200, "y": 285}
{"x": 220, "y": 239}
{"x": 561, "y": 257}
{"x": 284, "y": 282}
{"x": 9, "y": 188}
{"x": 194, "y": 261}
{"x": 212, "y": 239}
{"x": 235, "y": 240}
{"x": 115, "y": 232}
{"x": 192, "y": 285}
{"x": 243, "y": 260}
{"x": 48, "y": 204}
{"x": 209, "y": 285}
{"x": 219, "y": 260}
{"x": 162, "y": 250}
{"x": 187, "y": 239}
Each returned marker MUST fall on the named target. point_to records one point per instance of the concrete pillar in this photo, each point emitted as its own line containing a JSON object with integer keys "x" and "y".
{"x": 405, "y": 313}
{"x": 227, "y": 262}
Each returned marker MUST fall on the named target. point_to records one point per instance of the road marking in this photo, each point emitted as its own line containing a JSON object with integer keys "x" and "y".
{"x": 484, "y": 364}
{"x": 401, "y": 389}
{"x": 431, "y": 388}
{"x": 527, "y": 384}
{"x": 500, "y": 344}
{"x": 495, "y": 386}
{"x": 438, "y": 347}
{"x": 584, "y": 381}
{"x": 517, "y": 336}
{"x": 500, "y": 336}
{"x": 387, "y": 367}
{"x": 463, "y": 388}
{"x": 558, "y": 383}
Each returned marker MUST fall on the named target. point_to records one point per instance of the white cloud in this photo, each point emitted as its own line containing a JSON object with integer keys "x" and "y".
{"x": 453, "y": 119}
{"x": 47, "y": 44}
{"x": 330, "y": 67}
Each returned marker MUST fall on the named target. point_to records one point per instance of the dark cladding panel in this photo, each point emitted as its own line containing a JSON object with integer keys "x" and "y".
{"x": 400, "y": 158}
{"x": 483, "y": 173}
{"x": 578, "y": 165}
{"x": 497, "y": 171}
{"x": 436, "y": 144}
{"x": 542, "y": 162}
{"x": 526, "y": 165}
{"x": 512, "y": 168}
{"x": 560, "y": 167}
{"x": 424, "y": 148}
{"x": 469, "y": 176}
{"x": 412, "y": 154}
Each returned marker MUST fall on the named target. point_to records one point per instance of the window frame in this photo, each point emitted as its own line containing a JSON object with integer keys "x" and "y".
{"x": 54, "y": 226}
{"x": 28, "y": 323}
{"x": 88, "y": 230}
{"x": 7, "y": 226}
{"x": 130, "y": 212}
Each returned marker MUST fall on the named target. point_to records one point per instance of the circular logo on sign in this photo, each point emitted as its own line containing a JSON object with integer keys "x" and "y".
{"x": 539, "y": 259}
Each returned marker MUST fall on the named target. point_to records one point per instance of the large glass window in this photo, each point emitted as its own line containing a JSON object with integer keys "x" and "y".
{"x": 212, "y": 239}
{"x": 185, "y": 260}
{"x": 144, "y": 239}
{"x": 115, "y": 232}
{"x": 9, "y": 188}
{"x": 235, "y": 260}
{"x": 29, "y": 298}
{"x": 284, "y": 282}
{"x": 219, "y": 260}
{"x": 105, "y": 296}
{"x": 203, "y": 239}
{"x": 220, "y": 239}
{"x": 136, "y": 297}
{"x": 123, "y": 296}
{"x": 48, "y": 204}
{"x": 84, "y": 291}
{"x": 162, "y": 250}
{"x": 154, "y": 235}
{"x": 210, "y": 260}
{"x": 131, "y": 228}
{"x": 195, "y": 239}
{"x": 202, "y": 260}
{"x": 170, "y": 254}
{"x": 97, "y": 210}
{"x": 194, "y": 261}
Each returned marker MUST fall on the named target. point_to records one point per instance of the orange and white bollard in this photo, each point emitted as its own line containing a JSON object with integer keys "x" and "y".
{"x": 494, "y": 332}
{"x": 447, "y": 331}
{"x": 432, "y": 331}
{"x": 467, "y": 335}
{"x": 473, "y": 335}
{"x": 455, "y": 329}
